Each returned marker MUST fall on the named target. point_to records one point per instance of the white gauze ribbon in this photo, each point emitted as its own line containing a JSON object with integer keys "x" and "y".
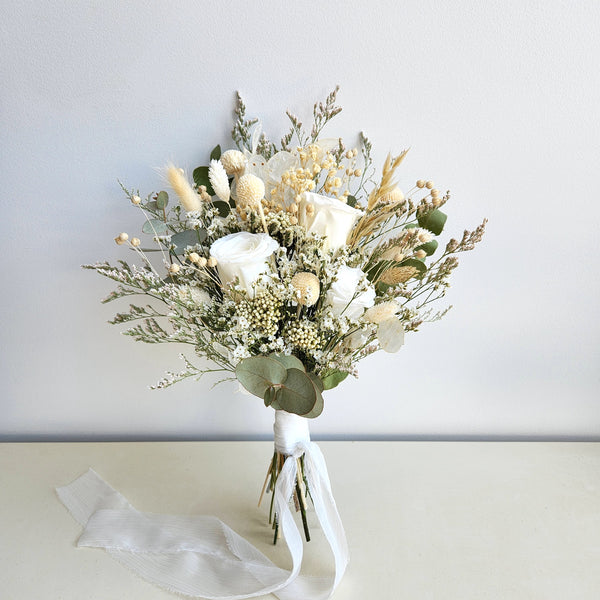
{"x": 200, "y": 556}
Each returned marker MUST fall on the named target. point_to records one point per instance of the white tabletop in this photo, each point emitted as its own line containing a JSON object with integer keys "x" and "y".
{"x": 441, "y": 520}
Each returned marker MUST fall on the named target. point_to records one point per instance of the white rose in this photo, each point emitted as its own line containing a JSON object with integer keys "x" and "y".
{"x": 331, "y": 218}
{"x": 243, "y": 255}
{"x": 342, "y": 296}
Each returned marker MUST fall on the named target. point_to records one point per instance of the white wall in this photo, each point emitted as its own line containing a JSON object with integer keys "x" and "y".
{"x": 499, "y": 102}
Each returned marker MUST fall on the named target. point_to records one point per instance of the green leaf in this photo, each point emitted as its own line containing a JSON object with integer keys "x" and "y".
{"x": 216, "y": 153}
{"x": 333, "y": 379}
{"x": 151, "y": 206}
{"x": 352, "y": 201}
{"x": 434, "y": 221}
{"x": 201, "y": 178}
{"x": 223, "y": 208}
{"x": 258, "y": 373}
{"x": 183, "y": 239}
{"x": 297, "y": 394}
{"x": 270, "y": 394}
{"x": 317, "y": 409}
{"x": 154, "y": 227}
{"x": 288, "y": 361}
{"x": 162, "y": 200}
{"x": 414, "y": 262}
{"x": 317, "y": 381}
{"x": 428, "y": 247}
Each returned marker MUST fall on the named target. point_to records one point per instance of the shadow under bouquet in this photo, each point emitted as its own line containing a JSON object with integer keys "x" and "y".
{"x": 284, "y": 266}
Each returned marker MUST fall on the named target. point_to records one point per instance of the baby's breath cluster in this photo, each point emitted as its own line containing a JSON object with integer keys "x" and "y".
{"x": 262, "y": 313}
{"x": 302, "y": 334}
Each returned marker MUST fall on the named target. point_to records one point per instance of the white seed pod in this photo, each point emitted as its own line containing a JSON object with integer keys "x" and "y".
{"x": 390, "y": 334}
{"x": 307, "y": 288}
{"x": 250, "y": 191}
{"x": 218, "y": 180}
{"x": 121, "y": 238}
{"x": 174, "y": 268}
{"x": 234, "y": 162}
{"x": 381, "y": 312}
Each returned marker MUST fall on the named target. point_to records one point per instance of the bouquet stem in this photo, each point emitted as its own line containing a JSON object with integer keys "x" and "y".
{"x": 300, "y": 492}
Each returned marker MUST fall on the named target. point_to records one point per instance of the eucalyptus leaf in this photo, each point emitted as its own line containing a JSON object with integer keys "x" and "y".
{"x": 317, "y": 409}
{"x": 288, "y": 361}
{"x": 270, "y": 395}
{"x": 216, "y": 153}
{"x": 154, "y": 227}
{"x": 428, "y": 247}
{"x": 317, "y": 381}
{"x": 183, "y": 239}
{"x": 201, "y": 178}
{"x": 333, "y": 379}
{"x": 223, "y": 207}
{"x": 258, "y": 373}
{"x": 434, "y": 221}
{"x": 298, "y": 394}
{"x": 414, "y": 262}
{"x": 162, "y": 199}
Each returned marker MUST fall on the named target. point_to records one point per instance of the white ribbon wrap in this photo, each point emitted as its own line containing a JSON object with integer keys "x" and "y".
{"x": 200, "y": 556}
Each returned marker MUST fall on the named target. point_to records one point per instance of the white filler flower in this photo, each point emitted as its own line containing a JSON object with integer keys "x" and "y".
{"x": 329, "y": 217}
{"x": 243, "y": 255}
{"x": 342, "y": 295}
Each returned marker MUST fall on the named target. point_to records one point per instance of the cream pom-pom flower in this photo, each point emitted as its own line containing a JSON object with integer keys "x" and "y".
{"x": 187, "y": 196}
{"x": 250, "y": 191}
{"x": 307, "y": 288}
{"x": 381, "y": 312}
{"x": 234, "y": 162}
{"x": 393, "y": 197}
{"x": 218, "y": 179}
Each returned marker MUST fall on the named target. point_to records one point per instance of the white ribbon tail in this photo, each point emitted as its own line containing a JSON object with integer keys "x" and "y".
{"x": 200, "y": 556}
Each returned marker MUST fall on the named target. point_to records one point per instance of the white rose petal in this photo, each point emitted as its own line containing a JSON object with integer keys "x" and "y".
{"x": 243, "y": 255}
{"x": 340, "y": 295}
{"x": 390, "y": 334}
{"x": 331, "y": 218}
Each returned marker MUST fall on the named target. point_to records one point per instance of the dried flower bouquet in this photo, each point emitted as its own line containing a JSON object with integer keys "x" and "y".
{"x": 286, "y": 266}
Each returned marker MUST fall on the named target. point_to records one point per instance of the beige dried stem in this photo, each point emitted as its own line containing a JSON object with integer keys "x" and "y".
{"x": 378, "y": 211}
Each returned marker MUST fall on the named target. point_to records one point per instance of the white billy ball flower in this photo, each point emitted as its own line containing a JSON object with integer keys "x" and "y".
{"x": 234, "y": 162}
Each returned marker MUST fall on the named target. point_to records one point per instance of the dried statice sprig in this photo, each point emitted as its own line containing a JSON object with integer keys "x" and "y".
{"x": 323, "y": 113}
{"x": 241, "y": 129}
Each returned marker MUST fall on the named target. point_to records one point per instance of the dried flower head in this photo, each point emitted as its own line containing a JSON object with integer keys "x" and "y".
{"x": 187, "y": 196}
{"x": 307, "y": 288}
{"x": 234, "y": 162}
{"x": 394, "y": 196}
{"x": 218, "y": 180}
{"x": 381, "y": 312}
{"x": 397, "y": 275}
{"x": 250, "y": 191}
